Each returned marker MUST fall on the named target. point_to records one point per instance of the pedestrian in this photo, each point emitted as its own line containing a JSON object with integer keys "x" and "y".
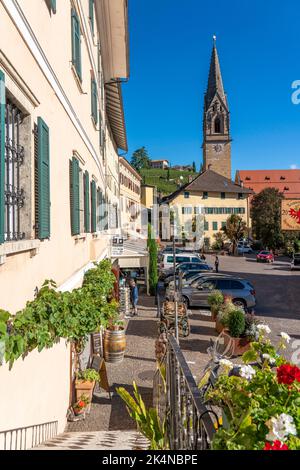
{"x": 134, "y": 296}
{"x": 203, "y": 257}
{"x": 217, "y": 264}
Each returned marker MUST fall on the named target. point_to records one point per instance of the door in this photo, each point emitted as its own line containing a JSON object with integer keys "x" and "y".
{"x": 201, "y": 292}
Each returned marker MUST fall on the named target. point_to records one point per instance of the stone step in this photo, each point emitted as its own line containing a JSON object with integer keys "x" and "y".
{"x": 100, "y": 440}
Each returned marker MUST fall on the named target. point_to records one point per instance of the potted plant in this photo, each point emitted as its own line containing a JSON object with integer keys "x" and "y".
{"x": 85, "y": 383}
{"x": 223, "y": 314}
{"x": 215, "y": 301}
{"x": 261, "y": 401}
{"x": 235, "y": 329}
{"x": 80, "y": 407}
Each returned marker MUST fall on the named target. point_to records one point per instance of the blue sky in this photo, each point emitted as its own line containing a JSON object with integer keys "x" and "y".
{"x": 259, "y": 49}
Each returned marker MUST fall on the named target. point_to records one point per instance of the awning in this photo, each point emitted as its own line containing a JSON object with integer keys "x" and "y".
{"x": 112, "y": 18}
{"x": 115, "y": 114}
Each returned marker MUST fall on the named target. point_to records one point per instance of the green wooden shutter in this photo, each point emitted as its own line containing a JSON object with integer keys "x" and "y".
{"x": 87, "y": 224}
{"x": 2, "y": 153}
{"x": 91, "y": 14}
{"x": 53, "y": 5}
{"x": 94, "y": 101}
{"x": 76, "y": 43}
{"x": 43, "y": 180}
{"x": 75, "y": 207}
{"x": 94, "y": 211}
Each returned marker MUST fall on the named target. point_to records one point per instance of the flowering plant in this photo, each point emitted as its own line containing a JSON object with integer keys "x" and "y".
{"x": 261, "y": 405}
{"x": 81, "y": 404}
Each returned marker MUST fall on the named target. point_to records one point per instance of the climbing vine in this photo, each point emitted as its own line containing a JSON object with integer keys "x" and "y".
{"x": 53, "y": 315}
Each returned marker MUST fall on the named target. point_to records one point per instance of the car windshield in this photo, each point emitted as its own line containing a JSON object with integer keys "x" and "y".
{"x": 264, "y": 252}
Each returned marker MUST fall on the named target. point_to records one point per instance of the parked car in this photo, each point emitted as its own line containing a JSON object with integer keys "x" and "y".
{"x": 187, "y": 268}
{"x": 244, "y": 247}
{"x": 240, "y": 290}
{"x": 295, "y": 263}
{"x": 265, "y": 257}
{"x": 167, "y": 261}
{"x": 186, "y": 281}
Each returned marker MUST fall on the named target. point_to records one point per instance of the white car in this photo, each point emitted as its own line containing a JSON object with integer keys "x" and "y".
{"x": 244, "y": 248}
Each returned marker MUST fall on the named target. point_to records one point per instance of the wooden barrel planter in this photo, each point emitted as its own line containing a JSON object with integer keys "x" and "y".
{"x": 114, "y": 345}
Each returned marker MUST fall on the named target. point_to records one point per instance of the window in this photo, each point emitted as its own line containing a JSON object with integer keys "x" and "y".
{"x": 182, "y": 259}
{"x": 195, "y": 260}
{"x": 76, "y": 44}
{"x": 217, "y": 125}
{"x": 240, "y": 196}
{"x": 197, "y": 210}
{"x": 187, "y": 210}
{"x": 11, "y": 160}
{"x": 42, "y": 189}
{"x": 236, "y": 285}
{"x": 215, "y": 226}
{"x": 206, "y": 226}
{"x": 207, "y": 285}
{"x": 94, "y": 101}
{"x": 223, "y": 195}
{"x": 205, "y": 195}
{"x": 223, "y": 224}
{"x": 91, "y": 15}
{"x": 186, "y": 194}
{"x": 223, "y": 284}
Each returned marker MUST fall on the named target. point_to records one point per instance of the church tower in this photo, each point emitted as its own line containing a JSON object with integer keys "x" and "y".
{"x": 216, "y": 126}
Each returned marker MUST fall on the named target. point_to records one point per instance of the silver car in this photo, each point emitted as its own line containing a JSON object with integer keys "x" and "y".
{"x": 241, "y": 291}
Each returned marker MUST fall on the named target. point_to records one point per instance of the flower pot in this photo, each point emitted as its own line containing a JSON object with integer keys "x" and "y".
{"x": 84, "y": 387}
{"x": 114, "y": 345}
{"x": 219, "y": 326}
{"x": 240, "y": 345}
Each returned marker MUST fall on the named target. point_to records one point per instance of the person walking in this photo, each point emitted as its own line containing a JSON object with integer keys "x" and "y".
{"x": 217, "y": 264}
{"x": 134, "y": 296}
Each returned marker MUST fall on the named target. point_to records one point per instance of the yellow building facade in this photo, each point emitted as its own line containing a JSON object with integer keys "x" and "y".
{"x": 130, "y": 199}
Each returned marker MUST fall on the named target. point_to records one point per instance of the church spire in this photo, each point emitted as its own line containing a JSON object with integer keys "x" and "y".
{"x": 215, "y": 82}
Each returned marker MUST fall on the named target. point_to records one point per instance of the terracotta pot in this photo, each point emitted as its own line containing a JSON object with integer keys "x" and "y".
{"x": 219, "y": 326}
{"x": 84, "y": 388}
{"x": 240, "y": 345}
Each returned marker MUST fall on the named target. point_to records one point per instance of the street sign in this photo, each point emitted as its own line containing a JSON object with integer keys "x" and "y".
{"x": 117, "y": 246}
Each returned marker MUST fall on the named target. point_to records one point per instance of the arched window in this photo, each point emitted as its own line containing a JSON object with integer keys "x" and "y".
{"x": 217, "y": 125}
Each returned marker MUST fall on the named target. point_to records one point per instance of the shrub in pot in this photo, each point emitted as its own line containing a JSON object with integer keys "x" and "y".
{"x": 223, "y": 314}
{"x": 235, "y": 330}
{"x": 215, "y": 301}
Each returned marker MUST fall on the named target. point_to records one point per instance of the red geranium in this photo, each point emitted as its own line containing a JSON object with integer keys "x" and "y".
{"x": 277, "y": 445}
{"x": 287, "y": 374}
{"x": 81, "y": 404}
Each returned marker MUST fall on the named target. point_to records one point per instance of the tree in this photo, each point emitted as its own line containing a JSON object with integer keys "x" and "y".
{"x": 235, "y": 229}
{"x": 194, "y": 167}
{"x": 152, "y": 248}
{"x": 220, "y": 238}
{"x": 266, "y": 218}
{"x": 140, "y": 159}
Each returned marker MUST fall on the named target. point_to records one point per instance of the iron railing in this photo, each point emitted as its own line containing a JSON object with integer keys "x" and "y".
{"x": 28, "y": 437}
{"x": 14, "y": 158}
{"x": 190, "y": 425}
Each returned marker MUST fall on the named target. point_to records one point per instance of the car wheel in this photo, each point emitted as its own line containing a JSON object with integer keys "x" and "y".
{"x": 240, "y": 303}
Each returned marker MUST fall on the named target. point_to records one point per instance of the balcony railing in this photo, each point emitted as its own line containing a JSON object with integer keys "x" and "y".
{"x": 190, "y": 425}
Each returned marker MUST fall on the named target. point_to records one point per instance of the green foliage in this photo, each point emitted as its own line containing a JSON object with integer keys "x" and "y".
{"x": 4, "y": 317}
{"x": 215, "y": 301}
{"x": 194, "y": 167}
{"x": 53, "y": 315}
{"x": 153, "y": 274}
{"x": 235, "y": 229}
{"x": 88, "y": 375}
{"x": 140, "y": 159}
{"x": 249, "y": 404}
{"x": 225, "y": 312}
{"x": 166, "y": 181}
{"x": 220, "y": 239}
{"x": 147, "y": 421}
{"x": 236, "y": 323}
{"x": 266, "y": 217}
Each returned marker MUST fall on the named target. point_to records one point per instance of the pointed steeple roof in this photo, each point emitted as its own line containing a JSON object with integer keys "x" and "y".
{"x": 215, "y": 82}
